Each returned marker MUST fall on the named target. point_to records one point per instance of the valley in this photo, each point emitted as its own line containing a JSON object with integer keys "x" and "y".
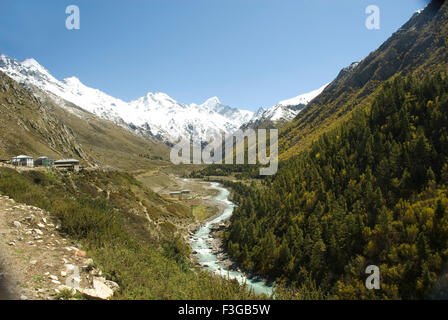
{"x": 120, "y": 216}
{"x": 362, "y": 181}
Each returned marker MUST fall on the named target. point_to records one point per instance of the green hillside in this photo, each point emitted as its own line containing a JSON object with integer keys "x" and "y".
{"x": 374, "y": 191}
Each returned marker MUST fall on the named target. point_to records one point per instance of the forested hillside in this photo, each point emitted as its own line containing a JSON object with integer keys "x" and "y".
{"x": 373, "y": 191}
{"x": 417, "y": 48}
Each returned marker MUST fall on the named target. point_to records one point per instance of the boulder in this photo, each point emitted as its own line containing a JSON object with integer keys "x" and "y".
{"x": 102, "y": 288}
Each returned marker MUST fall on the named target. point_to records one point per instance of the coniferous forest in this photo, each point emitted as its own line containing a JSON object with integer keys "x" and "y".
{"x": 372, "y": 192}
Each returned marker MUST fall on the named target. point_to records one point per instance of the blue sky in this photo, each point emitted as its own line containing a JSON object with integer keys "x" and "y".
{"x": 249, "y": 53}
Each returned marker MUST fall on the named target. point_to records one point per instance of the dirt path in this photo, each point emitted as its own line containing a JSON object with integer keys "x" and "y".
{"x": 36, "y": 260}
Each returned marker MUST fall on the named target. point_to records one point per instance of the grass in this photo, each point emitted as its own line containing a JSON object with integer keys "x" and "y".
{"x": 201, "y": 212}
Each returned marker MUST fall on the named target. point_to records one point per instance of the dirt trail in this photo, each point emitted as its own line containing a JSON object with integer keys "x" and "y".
{"x": 35, "y": 258}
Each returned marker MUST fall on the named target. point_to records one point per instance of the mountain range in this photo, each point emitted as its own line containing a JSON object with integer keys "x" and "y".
{"x": 155, "y": 114}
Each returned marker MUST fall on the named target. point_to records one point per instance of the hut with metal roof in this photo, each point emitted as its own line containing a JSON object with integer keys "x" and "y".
{"x": 23, "y": 161}
{"x": 67, "y": 164}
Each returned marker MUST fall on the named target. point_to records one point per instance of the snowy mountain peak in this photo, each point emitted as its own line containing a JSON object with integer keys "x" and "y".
{"x": 32, "y": 63}
{"x": 303, "y": 98}
{"x": 211, "y": 103}
{"x": 73, "y": 81}
{"x": 155, "y": 114}
{"x": 286, "y": 110}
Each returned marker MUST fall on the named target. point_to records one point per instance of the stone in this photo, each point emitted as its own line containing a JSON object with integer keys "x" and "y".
{"x": 33, "y": 262}
{"x": 38, "y": 231}
{"x": 102, "y": 288}
{"x": 17, "y": 224}
{"x": 80, "y": 253}
{"x": 52, "y": 277}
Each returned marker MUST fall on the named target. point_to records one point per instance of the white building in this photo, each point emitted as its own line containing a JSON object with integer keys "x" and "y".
{"x": 23, "y": 161}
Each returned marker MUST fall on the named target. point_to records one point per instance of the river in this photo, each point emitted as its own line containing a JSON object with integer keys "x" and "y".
{"x": 208, "y": 260}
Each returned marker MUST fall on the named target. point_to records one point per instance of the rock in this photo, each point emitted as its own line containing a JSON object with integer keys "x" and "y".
{"x": 22, "y": 297}
{"x": 56, "y": 281}
{"x": 41, "y": 225}
{"x": 17, "y": 224}
{"x": 80, "y": 253}
{"x": 33, "y": 262}
{"x": 12, "y": 243}
{"x": 38, "y": 231}
{"x": 52, "y": 277}
{"x": 102, "y": 288}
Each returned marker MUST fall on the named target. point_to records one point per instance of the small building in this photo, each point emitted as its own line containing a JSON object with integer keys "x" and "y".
{"x": 43, "y": 162}
{"x": 179, "y": 193}
{"x": 67, "y": 164}
{"x": 23, "y": 161}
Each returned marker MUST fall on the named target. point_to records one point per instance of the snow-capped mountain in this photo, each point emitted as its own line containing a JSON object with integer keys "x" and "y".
{"x": 286, "y": 110}
{"x": 155, "y": 114}
{"x": 303, "y": 98}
